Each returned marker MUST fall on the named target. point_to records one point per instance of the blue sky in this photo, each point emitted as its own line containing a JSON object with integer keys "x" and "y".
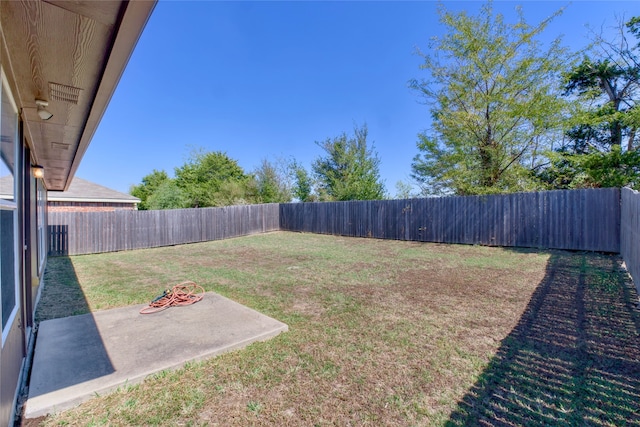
{"x": 265, "y": 80}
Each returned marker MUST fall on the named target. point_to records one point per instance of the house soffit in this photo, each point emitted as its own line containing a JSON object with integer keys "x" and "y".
{"x": 71, "y": 54}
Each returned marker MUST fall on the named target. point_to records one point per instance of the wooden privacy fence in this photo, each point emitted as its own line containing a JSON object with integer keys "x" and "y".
{"x": 606, "y": 220}
{"x": 570, "y": 219}
{"x": 564, "y": 219}
{"x": 75, "y": 233}
{"x": 630, "y": 233}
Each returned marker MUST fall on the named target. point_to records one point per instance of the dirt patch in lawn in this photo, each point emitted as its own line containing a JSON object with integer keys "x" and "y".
{"x": 386, "y": 333}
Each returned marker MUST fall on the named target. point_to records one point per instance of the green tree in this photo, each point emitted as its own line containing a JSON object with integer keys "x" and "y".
{"x": 303, "y": 183}
{"x": 614, "y": 168}
{"x": 349, "y": 170}
{"x": 600, "y": 144}
{"x": 272, "y": 183}
{"x": 212, "y": 179}
{"x": 494, "y": 92}
{"x": 608, "y": 91}
{"x": 147, "y": 188}
{"x": 235, "y": 193}
{"x": 167, "y": 196}
{"x": 404, "y": 190}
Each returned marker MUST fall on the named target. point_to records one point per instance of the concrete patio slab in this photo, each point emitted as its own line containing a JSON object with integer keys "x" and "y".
{"x": 78, "y": 357}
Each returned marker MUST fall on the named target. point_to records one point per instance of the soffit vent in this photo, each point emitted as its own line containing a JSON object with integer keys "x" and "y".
{"x": 59, "y": 92}
{"x": 59, "y": 145}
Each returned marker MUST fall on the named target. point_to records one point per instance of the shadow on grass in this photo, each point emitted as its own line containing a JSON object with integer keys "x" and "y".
{"x": 573, "y": 358}
{"x": 69, "y": 349}
{"x": 62, "y": 295}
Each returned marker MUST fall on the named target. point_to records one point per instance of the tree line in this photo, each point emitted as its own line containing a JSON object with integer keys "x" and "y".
{"x": 348, "y": 170}
{"x": 508, "y": 114}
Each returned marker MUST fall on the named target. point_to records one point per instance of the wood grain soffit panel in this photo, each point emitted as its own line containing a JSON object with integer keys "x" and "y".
{"x": 103, "y": 11}
{"x": 127, "y": 33}
{"x": 47, "y": 44}
{"x": 71, "y": 54}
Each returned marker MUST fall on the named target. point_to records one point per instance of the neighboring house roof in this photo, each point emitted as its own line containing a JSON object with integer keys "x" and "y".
{"x": 80, "y": 190}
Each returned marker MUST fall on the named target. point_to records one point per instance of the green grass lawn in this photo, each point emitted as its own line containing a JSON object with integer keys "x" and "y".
{"x": 380, "y": 333}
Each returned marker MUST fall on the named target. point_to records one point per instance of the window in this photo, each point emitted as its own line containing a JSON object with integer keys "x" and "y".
{"x": 8, "y": 211}
{"x": 41, "y": 212}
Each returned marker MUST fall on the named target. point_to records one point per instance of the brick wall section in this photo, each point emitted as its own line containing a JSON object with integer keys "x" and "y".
{"x": 89, "y": 207}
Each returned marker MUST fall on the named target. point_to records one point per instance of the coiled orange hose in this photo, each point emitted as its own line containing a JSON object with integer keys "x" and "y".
{"x": 184, "y": 293}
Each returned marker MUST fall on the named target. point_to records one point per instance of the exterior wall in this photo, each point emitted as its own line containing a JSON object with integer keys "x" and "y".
{"x": 17, "y": 331}
{"x": 30, "y": 268}
{"x": 59, "y": 39}
{"x": 10, "y": 367}
{"x": 54, "y": 206}
{"x": 11, "y": 257}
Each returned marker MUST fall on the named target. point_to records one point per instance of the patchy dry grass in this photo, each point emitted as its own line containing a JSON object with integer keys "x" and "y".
{"x": 380, "y": 333}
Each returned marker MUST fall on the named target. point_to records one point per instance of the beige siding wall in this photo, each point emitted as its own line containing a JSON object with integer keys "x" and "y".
{"x": 10, "y": 367}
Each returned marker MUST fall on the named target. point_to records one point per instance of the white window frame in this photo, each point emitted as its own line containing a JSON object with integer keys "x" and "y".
{"x": 11, "y": 205}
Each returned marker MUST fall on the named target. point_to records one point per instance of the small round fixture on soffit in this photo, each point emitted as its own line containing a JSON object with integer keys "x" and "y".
{"x": 37, "y": 171}
{"x": 42, "y": 111}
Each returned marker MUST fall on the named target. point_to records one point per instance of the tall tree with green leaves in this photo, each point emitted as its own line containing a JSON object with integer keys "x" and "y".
{"x": 302, "y": 187}
{"x": 349, "y": 169}
{"x": 601, "y": 144}
{"x": 272, "y": 183}
{"x": 213, "y": 179}
{"x": 608, "y": 91}
{"x": 494, "y": 94}
{"x": 150, "y": 183}
{"x": 404, "y": 190}
{"x": 167, "y": 196}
